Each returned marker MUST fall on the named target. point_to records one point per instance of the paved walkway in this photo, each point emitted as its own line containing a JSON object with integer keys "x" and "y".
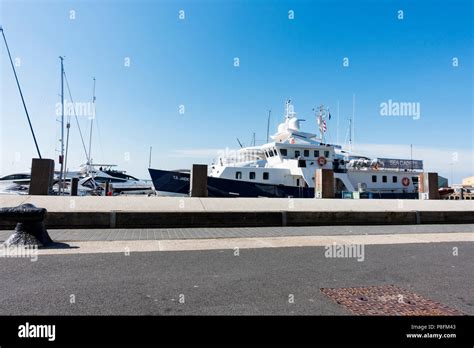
{"x": 248, "y": 232}
{"x": 194, "y": 204}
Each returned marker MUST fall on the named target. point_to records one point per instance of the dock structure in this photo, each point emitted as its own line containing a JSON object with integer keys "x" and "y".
{"x": 428, "y": 187}
{"x": 42, "y": 172}
{"x": 174, "y": 212}
{"x": 198, "y": 185}
{"x": 324, "y": 184}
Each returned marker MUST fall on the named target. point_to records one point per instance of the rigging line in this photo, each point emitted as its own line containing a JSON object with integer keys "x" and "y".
{"x": 75, "y": 116}
{"x": 99, "y": 134}
{"x": 68, "y": 126}
{"x": 21, "y": 94}
{"x": 80, "y": 132}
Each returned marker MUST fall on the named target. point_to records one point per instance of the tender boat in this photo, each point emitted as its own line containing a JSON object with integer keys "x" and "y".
{"x": 15, "y": 183}
{"x": 94, "y": 180}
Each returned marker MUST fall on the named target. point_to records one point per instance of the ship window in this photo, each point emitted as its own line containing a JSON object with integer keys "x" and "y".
{"x": 384, "y": 178}
{"x": 238, "y": 175}
{"x": 306, "y": 153}
{"x": 297, "y": 153}
{"x": 394, "y": 178}
{"x": 252, "y": 175}
{"x": 297, "y": 182}
{"x": 374, "y": 178}
{"x": 266, "y": 175}
{"x": 275, "y": 153}
{"x": 316, "y": 153}
{"x": 414, "y": 179}
{"x": 326, "y": 153}
{"x": 283, "y": 152}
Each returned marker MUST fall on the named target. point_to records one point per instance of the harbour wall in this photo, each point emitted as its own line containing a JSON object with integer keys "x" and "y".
{"x": 176, "y": 212}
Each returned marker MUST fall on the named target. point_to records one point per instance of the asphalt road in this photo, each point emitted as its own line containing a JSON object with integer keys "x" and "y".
{"x": 258, "y": 281}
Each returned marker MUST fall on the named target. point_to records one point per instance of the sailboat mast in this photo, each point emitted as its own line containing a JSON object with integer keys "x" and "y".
{"x": 337, "y": 127}
{"x": 92, "y": 123}
{"x": 61, "y": 158}
{"x": 149, "y": 158}
{"x": 353, "y": 117}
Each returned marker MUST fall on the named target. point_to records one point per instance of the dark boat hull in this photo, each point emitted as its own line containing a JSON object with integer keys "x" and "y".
{"x": 178, "y": 183}
{"x": 174, "y": 182}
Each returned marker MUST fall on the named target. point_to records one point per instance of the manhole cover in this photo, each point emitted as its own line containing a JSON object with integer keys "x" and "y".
{"x": 386, "y": 300}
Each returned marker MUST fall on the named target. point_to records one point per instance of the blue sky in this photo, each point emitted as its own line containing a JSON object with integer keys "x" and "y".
{"x": 190, "y": 62}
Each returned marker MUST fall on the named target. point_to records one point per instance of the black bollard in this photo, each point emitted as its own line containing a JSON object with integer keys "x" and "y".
{"x": 30, "y": 229}
{"x": 74, "y": 186}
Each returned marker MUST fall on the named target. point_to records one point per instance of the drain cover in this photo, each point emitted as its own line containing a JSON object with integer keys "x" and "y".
{"x": 386, "y": 300}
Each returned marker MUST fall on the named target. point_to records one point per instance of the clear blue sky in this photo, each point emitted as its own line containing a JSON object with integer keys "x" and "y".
{"x": 190, "y": 62}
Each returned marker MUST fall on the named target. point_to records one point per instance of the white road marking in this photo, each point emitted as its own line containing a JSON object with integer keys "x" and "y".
{"x": 253, "y": 243}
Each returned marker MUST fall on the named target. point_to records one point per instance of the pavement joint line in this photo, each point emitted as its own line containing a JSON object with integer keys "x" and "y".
{"x": 254, "y": 243}
{"x": 417, "y": 214}
{"x": 113, "y": 218}
{"x": 284, "y": 219}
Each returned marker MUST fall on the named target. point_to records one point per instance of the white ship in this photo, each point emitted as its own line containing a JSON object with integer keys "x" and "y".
{"x": 286, "y": 167}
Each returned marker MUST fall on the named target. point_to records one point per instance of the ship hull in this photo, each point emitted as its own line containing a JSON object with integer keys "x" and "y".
{"x": 177, "y": 183}
{"x": 174, "y": 183}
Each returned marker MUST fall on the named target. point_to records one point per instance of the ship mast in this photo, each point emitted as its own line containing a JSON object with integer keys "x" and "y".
{"x": 321, "y": 119}
{"x": 268, "y": 125}
{"x": 350, "y": 134}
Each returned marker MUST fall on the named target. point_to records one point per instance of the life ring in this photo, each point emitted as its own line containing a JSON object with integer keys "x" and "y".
{"x": 405, "y": 181}
{"x": 292, "y": 141}
{"x": 322, "y": 161}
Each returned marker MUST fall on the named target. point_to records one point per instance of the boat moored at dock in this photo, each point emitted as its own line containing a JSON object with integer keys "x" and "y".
{"x": 286, "y": 167}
